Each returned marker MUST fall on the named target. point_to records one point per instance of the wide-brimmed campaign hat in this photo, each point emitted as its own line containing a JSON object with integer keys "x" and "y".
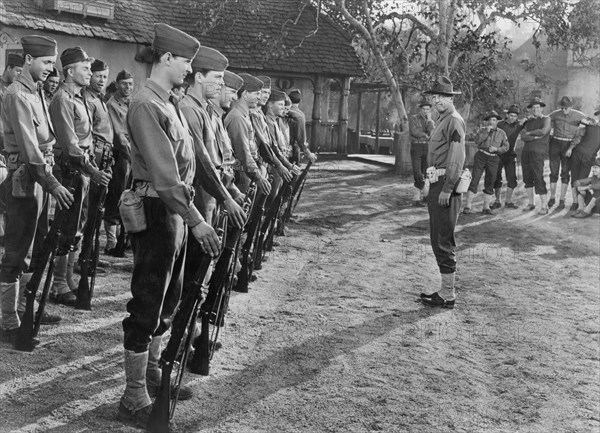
{"x": 514, "y": 109}
{"x": 565, "y": 101}
{"x": 442, "y": 86}
{"x": 424, "y": 102}
{"x": 536, "y": 101}
{"x": 491, "y": 114}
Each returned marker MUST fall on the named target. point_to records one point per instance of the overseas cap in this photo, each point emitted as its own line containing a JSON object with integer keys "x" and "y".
{"x": 265, "y": 80}
{"x": 277, "y": 95}
{"x": 38, "y": 46}
{"x": 98, "y": 65}
{"x": 251, "y": 83}
{"x": 233, "y": 81}
{"x": 211, "y": 59}
{"x": 74, "y": 55}
{"x": 124, "y": 75}
{"x": 14, "y": 60}
{"x": 54, "y": 73}
{"x": 172, "y": 40}
{"x": 424, "y": 102}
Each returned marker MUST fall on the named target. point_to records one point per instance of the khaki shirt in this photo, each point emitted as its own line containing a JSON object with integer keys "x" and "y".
{"x": 73, "y": 125}
{"x": 496, "y": 137}
{"x": 446, "y": 148}
{"x": 101, "y": 124}
{"x": 300, "y": 131}
{"x": 565, "y": 125}
{"x": 216, "y": 117}
{"x": 241, "y": 132}
{"x": 420, "y": 128}
{"x": 3, "y": 87}
{"x": 27, "y": 128}
{"x": 162, "y": 150}
{"x": 204, "y": 139}
{"x": 117, "y": 110}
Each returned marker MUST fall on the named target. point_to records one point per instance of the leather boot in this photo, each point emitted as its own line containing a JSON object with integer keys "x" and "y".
{"x": 153, "y": 371}
{"x": 135, "y": 405}
{"x": 59, "y": 283}
{"x": 9, "y": 293}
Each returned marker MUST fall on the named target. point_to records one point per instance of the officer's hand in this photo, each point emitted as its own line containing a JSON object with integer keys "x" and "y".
{"x": 102, "y": 177}
{"x": 492, "y": 149}
{"x": 236, "y": 214}
{"x": 207, "y": 238}
{"x": 568, "y": 152}
{"x": 284, "y": 173}
{"x": 296, "y": 170}
{"x": 264, "y": 186}
{"x": 63, "y": 197}
{"x": 444, "y": 199}
{"x": 311, "y": 157}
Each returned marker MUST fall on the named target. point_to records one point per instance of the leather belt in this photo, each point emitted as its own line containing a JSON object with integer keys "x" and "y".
{"x": 561, "y": 138}
{"x": 485, "y": 152}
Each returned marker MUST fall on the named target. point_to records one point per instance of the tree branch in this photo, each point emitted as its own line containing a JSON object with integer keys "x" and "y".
{"x": 428, "y": 31}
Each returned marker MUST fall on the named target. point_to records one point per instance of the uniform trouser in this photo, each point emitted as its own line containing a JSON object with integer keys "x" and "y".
{"x": 157, "y": 279}
{"x": 558, "y": 160}
{"x": 508, "y": 162}
{"x": 242, "y": 181}
{"x": 580, "y": 166}
{"x": 418, "y": 156}
{"x": 533, "y": 171}
{"x": 23, "y": 215}
{"x": 77, "y": 213}
{"x": 489, "y": 165}
{"x": 275, "y": 187}
{"x": 442, "y": 222}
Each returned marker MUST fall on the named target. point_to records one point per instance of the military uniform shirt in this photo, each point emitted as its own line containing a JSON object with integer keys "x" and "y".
{"x": 28, "y": 130}
{"x": 117, "y": 110}
{"x": 420, "y": 128}
{"x": 221, "y": 135}
{"x": 491, "y": 138}
{"x": 3, "y": 86}
{"x": 238, "y": 125}
{"x": 512, "y": 133}
{"x": 565, "y": 125}
{"x": 300, "y": 118}
{"x": 72, "y": 123}
{"x": 101, "y": 123}
{"x": 447, "y": 147}
{"x": 162, "y": 150}
{"x": 204, "y": 139}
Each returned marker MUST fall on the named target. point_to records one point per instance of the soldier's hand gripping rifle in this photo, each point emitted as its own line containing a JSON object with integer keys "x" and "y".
{"x": 219, "y": 290}
{"x": 90, "y": 245}
{"x": 30, "y": 323}
{"x": 296, "y": 192}
{"x": 252, "y": 230}
{"x": 176, "y": 353}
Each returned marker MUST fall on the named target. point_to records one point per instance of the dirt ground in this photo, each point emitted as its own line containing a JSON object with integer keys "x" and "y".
{"x": 331, "y": 337}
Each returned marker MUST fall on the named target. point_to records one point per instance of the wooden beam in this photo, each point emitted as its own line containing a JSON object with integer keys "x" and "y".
{"x": 377, "y": 121}
{"x": 342, "y": 144}
{"x": 316, "y": 113}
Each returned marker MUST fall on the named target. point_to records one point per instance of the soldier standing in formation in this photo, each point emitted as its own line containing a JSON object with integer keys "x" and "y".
{"x": 29, "y": 142}
{"x": 420, "y": 126}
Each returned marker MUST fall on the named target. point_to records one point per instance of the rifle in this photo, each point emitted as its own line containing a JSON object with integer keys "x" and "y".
{"x": 268, "y": 226}
{"x": 30, "y": 324}
{"x": 252, "y": 233}
{"x": 219, "y": 290}
{"x": 296, "y": 192}
{"x": 90, "y": 245}
{"x": 176, "y": 353}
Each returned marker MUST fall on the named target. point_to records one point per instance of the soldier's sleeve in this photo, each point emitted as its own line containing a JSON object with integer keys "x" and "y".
{"x": 236, "y": 128}
{"x": 456, "y": 155}
{"x": 481, "y": 136}
{"x": 161, "y": 163}
{"x": 578, "y": 136}
{"x": 62, "y": 114}
{"x": 206, "y": 172}
{"x": 263, "y": 140}
{"x": 20, "y": 115}
{"x": 544, "y": 130}
{"x": 300, "y": 130}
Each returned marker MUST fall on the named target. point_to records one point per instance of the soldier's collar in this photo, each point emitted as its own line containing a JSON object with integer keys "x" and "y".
{"x": 160, "y": 92}
{"x": 26, "y": 79}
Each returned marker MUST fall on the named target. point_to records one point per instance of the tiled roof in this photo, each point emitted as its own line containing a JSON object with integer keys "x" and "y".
{"x": 273, "y": 35}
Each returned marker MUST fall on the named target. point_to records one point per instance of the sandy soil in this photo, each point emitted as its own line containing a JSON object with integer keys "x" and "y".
{"x": 331, "y": 337}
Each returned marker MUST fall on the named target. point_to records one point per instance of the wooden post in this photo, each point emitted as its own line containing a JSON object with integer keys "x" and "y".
{"x": 342, "y": 144}
{"x": 377, "y": 121}
{"x": 358, "y": 109}
{"x": 316, "y": 113}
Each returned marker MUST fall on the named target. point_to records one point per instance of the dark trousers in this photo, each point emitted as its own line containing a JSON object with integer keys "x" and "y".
{"x": 23, "y": 215}
{"x": 77, "y": 213}
{"x": 580, "y": 166}
{"x": 442, "y": 222}
{"x": 533, "y": 171}
{"x": 489, "y": 165}
{"x": 508, "y": 162}
{"x": 558, "y": 160}
{"x": 418, "y": 156}
{"x": 158, "y": 265}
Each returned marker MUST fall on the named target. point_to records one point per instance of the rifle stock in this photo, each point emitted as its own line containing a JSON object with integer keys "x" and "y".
{"x": 184, "y": 320}
{"x": 296, "y": 192}
{"x": 29, "y": 326}
{"x": 266, "y": 225}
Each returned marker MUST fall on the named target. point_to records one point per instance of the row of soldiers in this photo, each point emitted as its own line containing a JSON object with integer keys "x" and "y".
{"x": 183, "y": 156}
{"x": 568, "y": 136}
